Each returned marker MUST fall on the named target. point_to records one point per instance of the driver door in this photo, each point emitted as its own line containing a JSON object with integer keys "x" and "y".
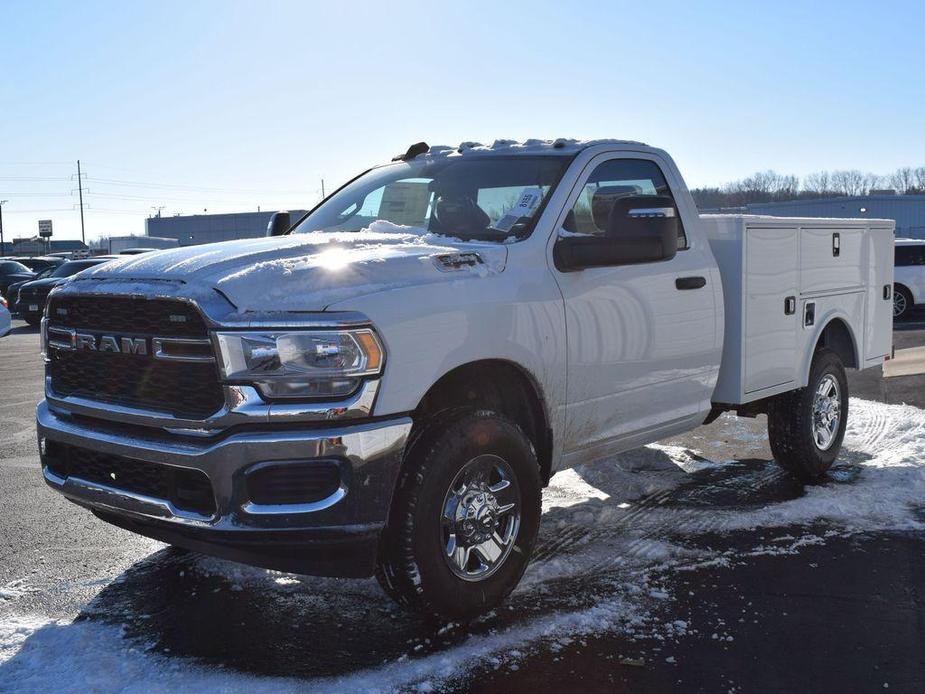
{"x": 642, "y": 337}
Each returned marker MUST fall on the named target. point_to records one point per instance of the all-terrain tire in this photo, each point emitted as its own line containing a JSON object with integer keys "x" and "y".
{"x": 791, "y": 421}
{"x": 412, "y": 567}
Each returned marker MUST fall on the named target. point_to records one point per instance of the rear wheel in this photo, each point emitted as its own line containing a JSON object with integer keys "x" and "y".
{"x": 806, "y": 426}
{"x": 464, "y": 518}
{"x": 902, "y": 302}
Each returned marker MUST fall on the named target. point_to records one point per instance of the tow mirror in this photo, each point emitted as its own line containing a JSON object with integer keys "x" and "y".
{"x": 640, "y": 229}
{"x": 279, "y": 224}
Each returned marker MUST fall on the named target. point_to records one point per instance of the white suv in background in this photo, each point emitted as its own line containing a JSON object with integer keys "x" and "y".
{"x": 908, "y": 276}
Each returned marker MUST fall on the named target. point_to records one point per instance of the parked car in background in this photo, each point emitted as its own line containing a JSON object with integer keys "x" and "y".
{"x": 908, "y": 277}
{"x": 41, "y": 263}
{"x": 138, "y": 251}
{"x": 6, "y": 322}
{"x": 31, "y": 296}
{"x": 12, "y": 292}
{"x": 12, "y": 271}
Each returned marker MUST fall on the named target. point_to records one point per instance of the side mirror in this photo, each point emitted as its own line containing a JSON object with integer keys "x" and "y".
{"x": 640, "y": 229}
{"x": 279, "y": 224}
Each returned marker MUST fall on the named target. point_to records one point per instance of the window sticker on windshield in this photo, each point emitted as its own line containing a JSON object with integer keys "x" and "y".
{"x": 405, "y": 203}
{"x": 526, "y": 203}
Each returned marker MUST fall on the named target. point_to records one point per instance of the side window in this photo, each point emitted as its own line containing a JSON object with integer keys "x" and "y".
{"x": 910, "y": 255}
{"x": 608, "y": 183}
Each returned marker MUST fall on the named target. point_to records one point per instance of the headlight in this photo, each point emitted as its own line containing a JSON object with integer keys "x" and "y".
{"x": 326, "y": 363}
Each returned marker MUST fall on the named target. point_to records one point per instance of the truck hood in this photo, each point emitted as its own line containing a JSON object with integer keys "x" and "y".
{"x": 309, "y": 272}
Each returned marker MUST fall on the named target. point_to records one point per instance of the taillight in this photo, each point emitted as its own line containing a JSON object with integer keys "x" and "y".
{"x": 3, "y": 302}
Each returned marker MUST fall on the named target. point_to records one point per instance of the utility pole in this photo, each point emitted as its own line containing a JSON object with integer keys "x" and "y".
{"x": 2, "y": 246}
{"x": 80, "y": 192}
{"x": 322, "y": 189}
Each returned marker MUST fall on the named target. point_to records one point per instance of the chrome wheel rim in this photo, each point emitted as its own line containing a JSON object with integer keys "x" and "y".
{"x": 826, "y": 412}
{"x": 899, "y": 303}
{"x": 480, "y": 518}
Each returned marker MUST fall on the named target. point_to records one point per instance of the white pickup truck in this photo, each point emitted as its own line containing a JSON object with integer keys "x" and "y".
{"x": 386, "y": 386}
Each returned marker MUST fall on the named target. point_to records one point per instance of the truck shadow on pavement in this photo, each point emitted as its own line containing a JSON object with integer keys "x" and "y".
{"x": 263, "y": 622}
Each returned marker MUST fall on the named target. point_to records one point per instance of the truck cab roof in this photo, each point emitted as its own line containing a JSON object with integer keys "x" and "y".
{"x": 560, "y": 146}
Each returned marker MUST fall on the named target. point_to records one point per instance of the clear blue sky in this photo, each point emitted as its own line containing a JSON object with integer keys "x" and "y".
{"x": 259, "y": 101}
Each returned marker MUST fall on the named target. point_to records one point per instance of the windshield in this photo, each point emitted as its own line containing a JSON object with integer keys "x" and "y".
{"x": 490, "y": 198}
{"x": 38, "y": 264}
{"x": 10, "y": 267}
{"x": 73, "y": 267}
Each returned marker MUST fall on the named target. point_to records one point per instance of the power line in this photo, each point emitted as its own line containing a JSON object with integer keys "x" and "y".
{"x": 34, "y": 194}
{"x": 45, "y": 209}
{"x": 160, "y": 198}
{"x": 206, "y": 189}
{"x": 34, "y": 178}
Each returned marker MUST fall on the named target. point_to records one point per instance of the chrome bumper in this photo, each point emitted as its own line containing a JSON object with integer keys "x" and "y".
{"x": 372, "y": 452}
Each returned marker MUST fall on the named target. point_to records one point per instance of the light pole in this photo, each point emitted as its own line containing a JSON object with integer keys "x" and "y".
{"x": 2, "y": 245}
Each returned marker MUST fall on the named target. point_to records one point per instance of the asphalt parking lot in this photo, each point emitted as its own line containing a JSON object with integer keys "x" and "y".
{"x": 693, "y": 565}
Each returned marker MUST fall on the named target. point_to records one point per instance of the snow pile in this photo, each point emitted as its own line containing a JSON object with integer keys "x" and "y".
{"x": 562, "y": 145}
{"x": 333, "y": 267}
{"x": 39, "y": 655}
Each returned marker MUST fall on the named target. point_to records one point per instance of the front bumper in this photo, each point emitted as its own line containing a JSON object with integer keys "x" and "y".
{"x": 22, "y": 307}
{"x": 336, "y": 536}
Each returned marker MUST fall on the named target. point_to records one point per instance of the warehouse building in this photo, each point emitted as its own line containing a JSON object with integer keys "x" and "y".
{"x": 190, "y": 230}
{"x": 26, "y": 247}
{"x": 118, "y": 244}
{"x": 907, "y": 210}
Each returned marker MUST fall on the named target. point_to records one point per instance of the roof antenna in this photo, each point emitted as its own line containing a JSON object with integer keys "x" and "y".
{"x": 414, "y": 150}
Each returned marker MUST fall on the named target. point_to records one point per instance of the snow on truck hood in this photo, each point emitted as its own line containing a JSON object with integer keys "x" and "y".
{"x": 309, "y": 272}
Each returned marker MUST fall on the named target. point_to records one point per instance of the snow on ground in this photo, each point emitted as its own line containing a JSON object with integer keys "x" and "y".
{"x": 609, "y": 534}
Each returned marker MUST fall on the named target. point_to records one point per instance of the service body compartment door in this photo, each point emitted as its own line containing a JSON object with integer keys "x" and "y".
{"x": 771, "y": 321}
{"x": 831, "y": 259}
{"x": 878, "y": 333}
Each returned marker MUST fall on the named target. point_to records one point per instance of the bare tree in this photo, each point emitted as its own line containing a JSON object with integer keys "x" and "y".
{"x": 849, "y": 182}
{"x": 819, "y": 183}
{"x": 872, "y": 181}
{"x": 769, "y": 186}
{"x": 919, "y": 174}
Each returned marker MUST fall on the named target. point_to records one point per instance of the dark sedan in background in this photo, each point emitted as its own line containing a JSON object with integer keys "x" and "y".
{"x": 32, "y": 295}
{"x": 15, "y": 271}
{"x": 41, "y": 263}
{"x": 11, "y": 272}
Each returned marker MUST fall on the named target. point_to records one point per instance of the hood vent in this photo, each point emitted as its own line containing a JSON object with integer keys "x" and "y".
{"x": 453, "y": 262}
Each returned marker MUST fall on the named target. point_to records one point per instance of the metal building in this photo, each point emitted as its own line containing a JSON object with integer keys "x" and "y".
{"x": 117, "y": 244}
{"x": 26, "y": 247}
{"x": 907, "y": 210}
{"x": 194, "y": 229}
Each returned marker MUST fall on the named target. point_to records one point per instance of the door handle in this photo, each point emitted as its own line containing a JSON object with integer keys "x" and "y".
{"x": 690, "y": 282}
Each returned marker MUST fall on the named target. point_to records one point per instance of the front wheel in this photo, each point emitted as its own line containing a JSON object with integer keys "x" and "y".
{"x": 806, "y": 426}
{"x": 464, "y": 518}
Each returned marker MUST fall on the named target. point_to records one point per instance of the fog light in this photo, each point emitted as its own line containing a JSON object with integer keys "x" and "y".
{"x": 42, "y": 447}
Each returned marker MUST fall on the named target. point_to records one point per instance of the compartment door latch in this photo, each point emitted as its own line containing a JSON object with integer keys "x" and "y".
{"x": 809, "y": 314}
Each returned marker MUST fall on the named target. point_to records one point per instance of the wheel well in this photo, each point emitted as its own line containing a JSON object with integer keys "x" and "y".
{"x": 900, "y": 285}
{"x": 837, "y": 337}
{"x": 494, "y": 385}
